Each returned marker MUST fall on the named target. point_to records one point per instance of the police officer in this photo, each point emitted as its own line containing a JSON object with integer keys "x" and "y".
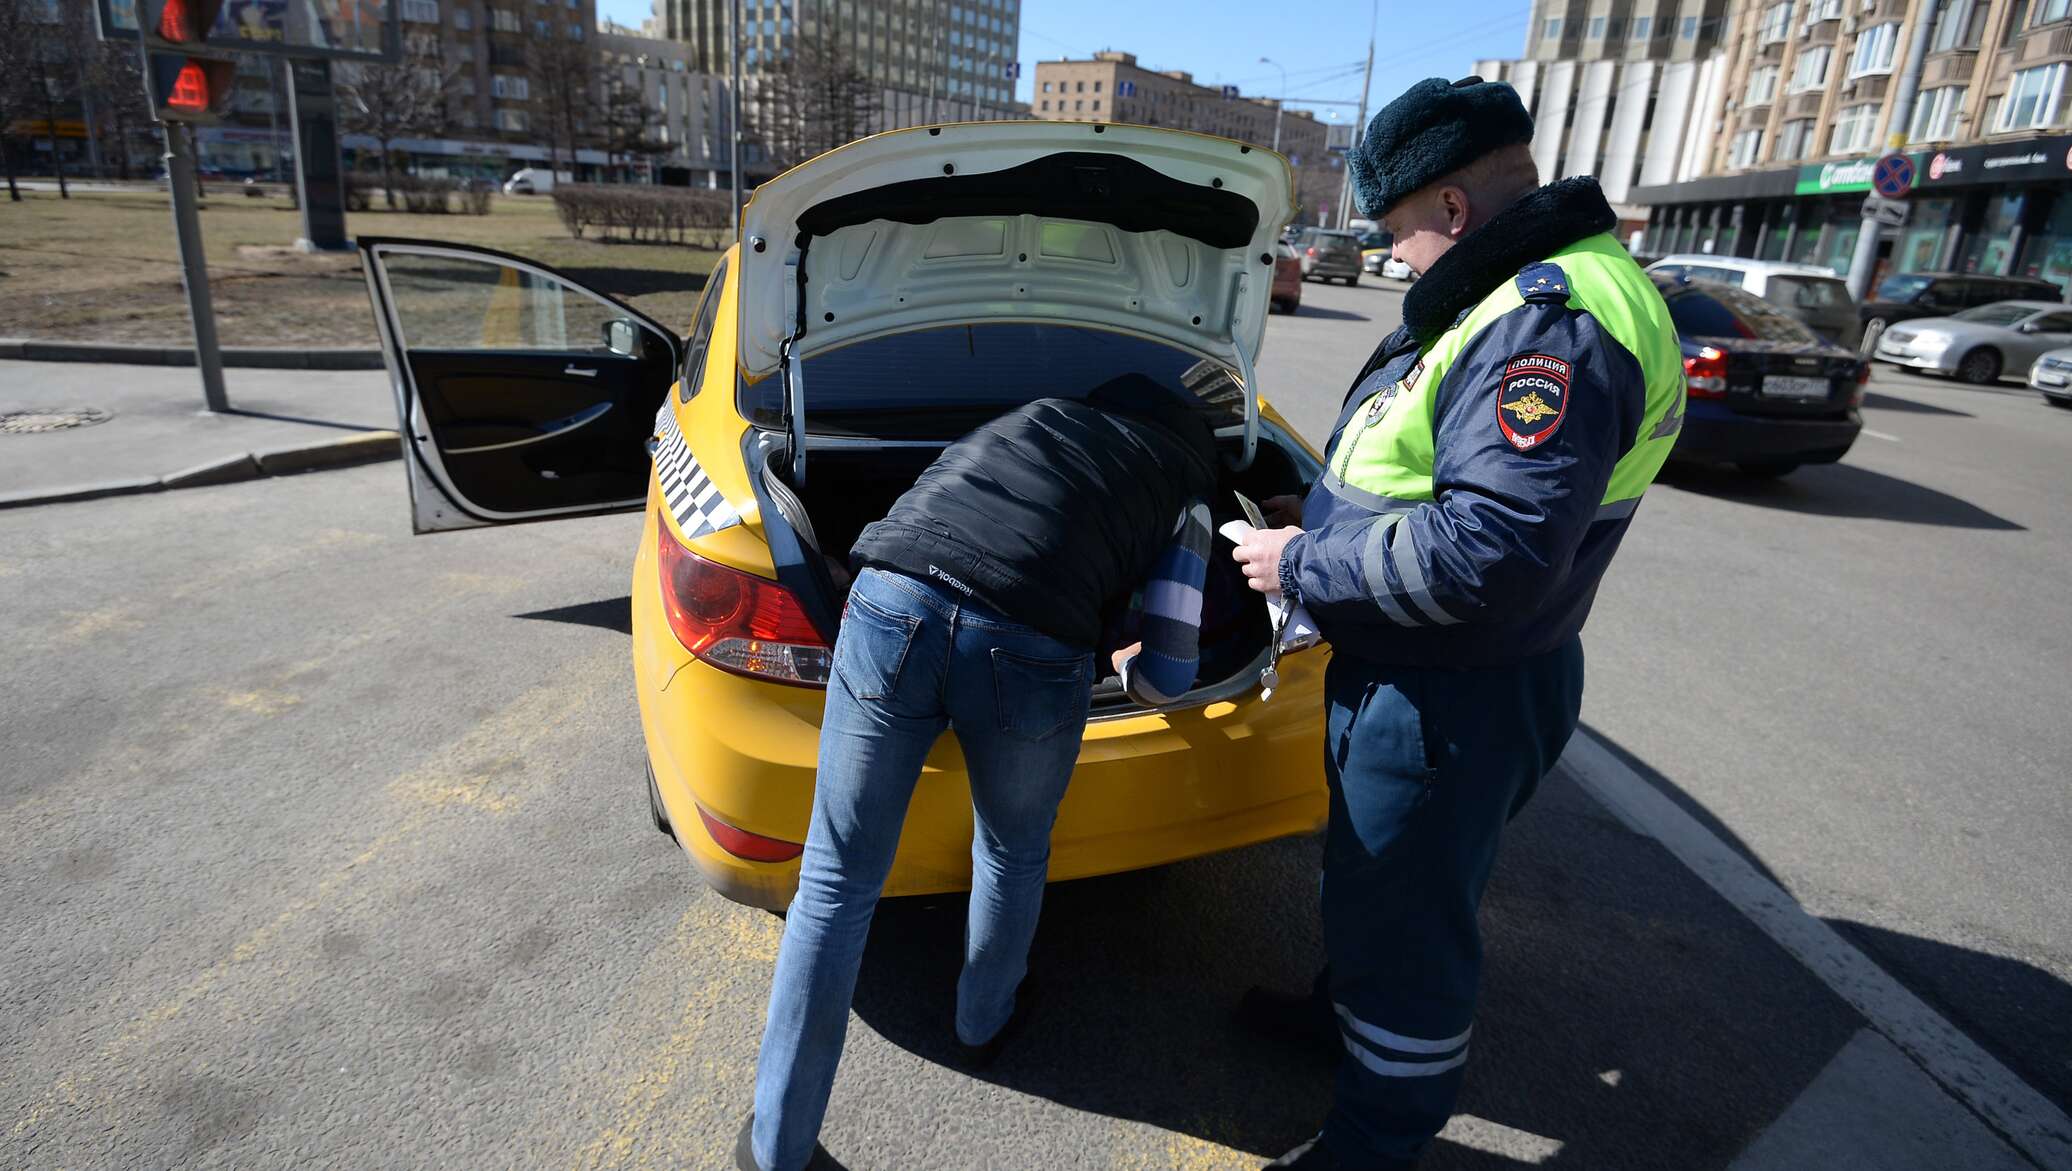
{"x": 1481, "y": 475}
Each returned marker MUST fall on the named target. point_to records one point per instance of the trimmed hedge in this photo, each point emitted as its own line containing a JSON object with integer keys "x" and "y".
{"x": 426, "y": 196}
{"x": 674, "y": 215}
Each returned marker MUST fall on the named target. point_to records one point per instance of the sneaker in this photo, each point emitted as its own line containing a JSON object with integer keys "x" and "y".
{"x": 744, "y": 1152}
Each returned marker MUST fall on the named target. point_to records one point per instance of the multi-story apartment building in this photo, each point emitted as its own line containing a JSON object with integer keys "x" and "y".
{"x": 1618, "y": 89}
{"x": 1806, "y": 105}
{"x": 1111, "y": 87}
{"x": 934, "y": 60}
{"x": 691, "y": 108}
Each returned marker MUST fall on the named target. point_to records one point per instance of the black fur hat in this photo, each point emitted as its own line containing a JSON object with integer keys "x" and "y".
{"x": 1434, "y": 129}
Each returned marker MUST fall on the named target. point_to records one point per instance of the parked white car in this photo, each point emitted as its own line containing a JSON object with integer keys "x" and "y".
{"x": 530, "y": 181}
{"x": 1978, "y": 345}
{"x": 1807, "y": 292}
{"x": 1396, "y": 270}
{"x": 2052, "y": 374}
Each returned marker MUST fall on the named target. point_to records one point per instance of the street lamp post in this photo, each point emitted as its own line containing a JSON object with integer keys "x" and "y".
{"x": 1279, "y": 101}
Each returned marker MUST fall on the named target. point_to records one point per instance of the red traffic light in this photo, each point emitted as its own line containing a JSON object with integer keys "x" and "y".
{"x": 182, "y": 22}
{"x": 190, "y": 90}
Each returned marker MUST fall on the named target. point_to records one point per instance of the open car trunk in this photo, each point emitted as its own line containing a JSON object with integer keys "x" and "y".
{"x": 851, "y": 486}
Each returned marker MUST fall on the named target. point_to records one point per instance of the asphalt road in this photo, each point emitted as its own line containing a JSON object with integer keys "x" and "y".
{"x": 321, "y": 844}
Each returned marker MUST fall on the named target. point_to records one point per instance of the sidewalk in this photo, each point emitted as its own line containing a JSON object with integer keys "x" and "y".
{"x": 156, "y": 436}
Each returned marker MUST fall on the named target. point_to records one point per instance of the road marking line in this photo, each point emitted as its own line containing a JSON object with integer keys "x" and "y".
{"x": 1883, "y": 436}
{"x": 1494, "y": 1138}
{"x": 2008, "y": 1104}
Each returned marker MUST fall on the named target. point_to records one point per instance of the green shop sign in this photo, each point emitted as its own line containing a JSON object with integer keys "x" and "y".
{"x": 1840, "y": 178}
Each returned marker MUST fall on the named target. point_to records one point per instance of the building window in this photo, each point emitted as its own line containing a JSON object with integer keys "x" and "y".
{"x": 421, "y": 11}
{"x": 513, "y": 120}
{"x": 1046, "y": 103}
{"x": 505, "y": 20}
{"x": 1642, "y": 27}
{"x": 1078, "y": 104}
{"x": 2017, "y": 13}
{"x": 1550, "y": 29}
{"x": 1762, "y": 85}
{"x": 1046, "y": 87}
{"x": 1936, "y": 112}
{"x": 1596, "y": 26}
{"x": 1689, "y": 31}
{"x": 1079, "y": 87}
{"x": 1958, "y": 24}
{"x": 1824, "y": 10}
{"x": 1873, "y": 52}
{"x": 1792, "y": 140}
{"x": 1747, "y": 145}
{"x": 1853, "y": 129}
{"x": 2032, "y": 98}
{"x": 543, "y": 29}
{"x": 1776, "y": 24}
{"x": 509, "y": 86}
{"x": 1097, "y": 105}
{"x": 1097, "y": 87}
{"x": 1810, "y": 70}
{"x": 2050, "y": 10}
{"x": 575, "y": 31}
{"x": 463, "y": 19}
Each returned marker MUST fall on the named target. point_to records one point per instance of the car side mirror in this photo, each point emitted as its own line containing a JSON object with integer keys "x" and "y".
{"x": 621, "y": 338}
{"x": 2028, "y": 327}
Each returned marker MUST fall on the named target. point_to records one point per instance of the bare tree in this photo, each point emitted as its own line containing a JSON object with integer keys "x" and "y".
{"x": 114, "y": 80}
{"x": 20, "y": 39}
{"x": 814, "y": 101}
{"x": 388, "y": 101}
{"x": 630, "y": 122}
{"x": 563, "y": 72}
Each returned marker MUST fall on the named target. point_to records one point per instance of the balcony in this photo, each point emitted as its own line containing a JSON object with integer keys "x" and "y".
{"x": 1868, "y": 89}
{"x": 1805, "y": 105}
{"x": 1954, "y": 65}
{"x": 2050, "y": 43}
{"x": 1822, "y": 33}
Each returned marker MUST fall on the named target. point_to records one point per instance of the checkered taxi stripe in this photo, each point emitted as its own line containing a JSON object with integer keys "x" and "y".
{"x": 697, "y": 505}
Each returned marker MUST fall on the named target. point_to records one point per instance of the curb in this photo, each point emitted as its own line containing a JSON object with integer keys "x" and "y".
{"x": 372, "y": 447}
{"x": 248, "y": 357}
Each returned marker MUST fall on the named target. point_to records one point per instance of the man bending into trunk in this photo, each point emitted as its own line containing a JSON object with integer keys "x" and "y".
{"x": 978, "y": 607}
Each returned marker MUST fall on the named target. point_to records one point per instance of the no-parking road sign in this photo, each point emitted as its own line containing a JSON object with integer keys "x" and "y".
{"x": 1893, "y": 176}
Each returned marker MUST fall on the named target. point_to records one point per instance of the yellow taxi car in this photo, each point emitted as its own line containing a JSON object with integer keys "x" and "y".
{"x": 886, "y": 297}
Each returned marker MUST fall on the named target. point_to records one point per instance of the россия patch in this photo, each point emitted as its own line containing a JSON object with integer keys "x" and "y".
{"x": 1532, "y": 399}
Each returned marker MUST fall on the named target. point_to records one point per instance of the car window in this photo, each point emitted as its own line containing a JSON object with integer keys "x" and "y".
{"x": 1725, "y": 276}
{"x": 1376, "y": 240}
{"x": 940, "y": 383}
{"x": 1719, "y": 311}
{"x": 1807, "y": 292}
{"x": 1982, "y": 292}
{"x": 2053, "y": 323}
{"x": 1997, "y": 314}
{"x": 1904, "y": 287}
{"x": 700, "y": 341}
{"x": 2037, "y": 292}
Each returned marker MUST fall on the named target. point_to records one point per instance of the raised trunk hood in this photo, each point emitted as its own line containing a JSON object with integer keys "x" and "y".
{"x": 1160, "y": 233}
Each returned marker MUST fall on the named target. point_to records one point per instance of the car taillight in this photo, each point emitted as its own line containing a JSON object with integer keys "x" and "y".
{"x": 1312, "y": 252}
{"x": 737, "y": 621}
{"x": 1863, "y": 377}
{"x": 742, "y": 844}
{"x": 1705, "y": 373}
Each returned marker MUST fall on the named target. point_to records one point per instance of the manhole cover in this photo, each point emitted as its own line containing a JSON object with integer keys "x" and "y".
{"x": 37, "y": 419}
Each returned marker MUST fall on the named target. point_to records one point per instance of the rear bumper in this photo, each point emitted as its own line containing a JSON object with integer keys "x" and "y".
{"x": 1714, "y": 434}
{"x": 1934, "y": 362}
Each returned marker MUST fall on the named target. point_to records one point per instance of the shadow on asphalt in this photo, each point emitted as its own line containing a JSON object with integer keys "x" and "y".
{"x": 1328, "y": 314}
{"x": 1840, "y": 490}
{"x": 605, "y": 614}
{"x": 1885, "y": 402}
{"x": 1630, "y": 1018}
{"x": 300, "y": 419}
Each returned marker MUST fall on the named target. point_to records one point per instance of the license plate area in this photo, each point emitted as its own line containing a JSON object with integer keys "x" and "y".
{"x": 1794, "y": 386}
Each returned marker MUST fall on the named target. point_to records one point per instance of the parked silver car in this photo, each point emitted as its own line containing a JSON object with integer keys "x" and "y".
{"x": 2052, "y": 374}
{"x": 1978, "y": 345}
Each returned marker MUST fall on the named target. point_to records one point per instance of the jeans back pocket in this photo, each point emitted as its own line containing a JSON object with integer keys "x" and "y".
{"x": 871, "y": 648}
{"x": 1037, "y": 697}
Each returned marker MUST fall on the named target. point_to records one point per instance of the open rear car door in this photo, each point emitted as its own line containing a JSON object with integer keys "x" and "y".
{"x": 521, "y": 394}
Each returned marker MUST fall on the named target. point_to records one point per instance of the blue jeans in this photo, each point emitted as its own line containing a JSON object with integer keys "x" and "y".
{"x": 910, "y": 660}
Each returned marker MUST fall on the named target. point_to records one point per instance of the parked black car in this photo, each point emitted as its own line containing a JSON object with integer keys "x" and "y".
{"x": 1907, "y": 295}
{"x": 1764, "y": 392}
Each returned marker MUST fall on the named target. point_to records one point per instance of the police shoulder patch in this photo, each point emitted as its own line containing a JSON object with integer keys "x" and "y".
{"x": 1532, "y": 399}
{"x": 1543, "y": 281}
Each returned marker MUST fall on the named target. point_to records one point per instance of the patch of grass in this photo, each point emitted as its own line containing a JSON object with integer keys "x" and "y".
{"x": 103, "y": 266}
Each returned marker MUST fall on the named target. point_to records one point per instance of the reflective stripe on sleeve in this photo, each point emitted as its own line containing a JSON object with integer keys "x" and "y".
{"x": 1371, "y": 501}
{"x": 1616, "y": 510}
{"x": 1373, "y": 560}
{"x": 1403, "y": 551}
{"x": 1387, "y": 1068}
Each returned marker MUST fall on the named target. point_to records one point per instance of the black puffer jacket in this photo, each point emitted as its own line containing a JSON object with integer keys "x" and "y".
{"x": 1054, "y": 510}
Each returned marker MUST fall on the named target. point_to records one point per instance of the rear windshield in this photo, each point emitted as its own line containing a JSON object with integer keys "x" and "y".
{"x": 1807, "y": 292}
{"x": 1902, "y": 288}
{"x": 940, "y": 383}
{"x": 1996, "y": 314}
{"x": 1706, "y": 310}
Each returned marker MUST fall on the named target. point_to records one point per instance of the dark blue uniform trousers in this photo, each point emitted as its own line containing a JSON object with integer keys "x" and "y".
{"x": 1426, "y": 766}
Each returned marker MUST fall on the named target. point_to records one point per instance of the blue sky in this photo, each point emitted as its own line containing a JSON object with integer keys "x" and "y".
{"x": 1321, "y": 43}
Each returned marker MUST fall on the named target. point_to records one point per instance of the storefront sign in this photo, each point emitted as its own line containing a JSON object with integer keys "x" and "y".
{"x": 2038, "y": 158}
{"x": 1840, "y": 178}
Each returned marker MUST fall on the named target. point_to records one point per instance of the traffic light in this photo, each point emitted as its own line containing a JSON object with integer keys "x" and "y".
{"x": 186, "y": 82}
